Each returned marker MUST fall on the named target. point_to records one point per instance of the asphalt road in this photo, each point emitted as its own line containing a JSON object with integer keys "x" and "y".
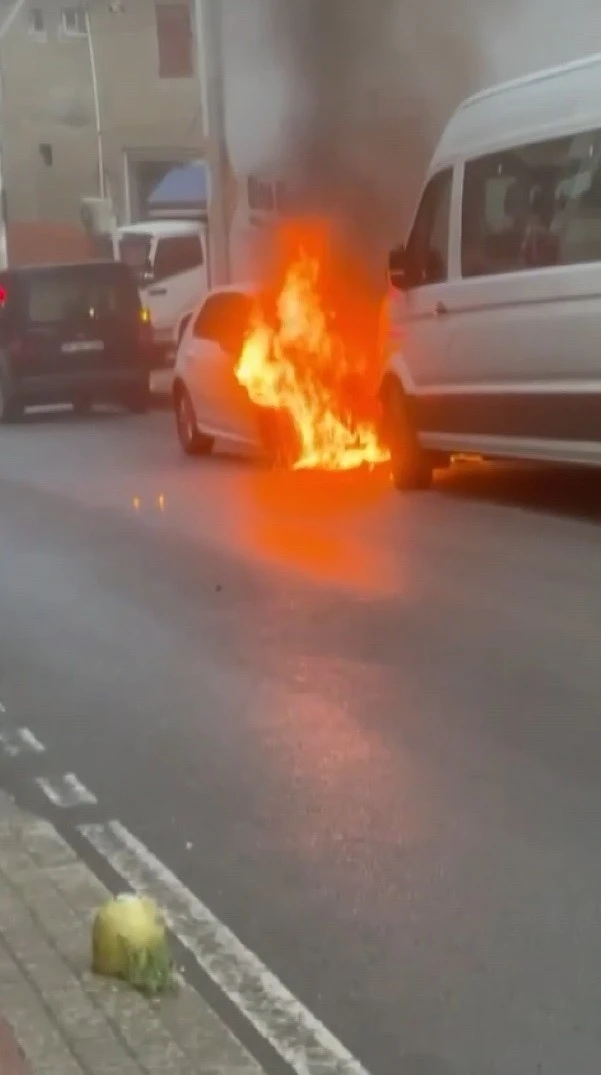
{"x": 364, "y": 729}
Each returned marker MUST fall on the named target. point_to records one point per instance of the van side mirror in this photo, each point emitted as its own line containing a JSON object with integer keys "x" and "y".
{"x": 397, "y": 268}
{"x": 147, "y": 273}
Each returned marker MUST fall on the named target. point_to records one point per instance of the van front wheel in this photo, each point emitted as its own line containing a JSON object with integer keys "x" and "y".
{"x": 411, "y": 467}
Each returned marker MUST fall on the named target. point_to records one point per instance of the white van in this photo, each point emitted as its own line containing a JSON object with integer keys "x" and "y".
{"x": 169, "y": 258}
{"x": 492, "y": 323}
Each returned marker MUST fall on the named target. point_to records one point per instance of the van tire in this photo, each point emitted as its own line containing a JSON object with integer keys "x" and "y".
{"x": 191, "y": 440}
{"x": 411, "y": 467}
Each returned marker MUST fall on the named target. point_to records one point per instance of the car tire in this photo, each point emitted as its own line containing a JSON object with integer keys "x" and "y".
{"x": 278, "y": 437}
{"x": 411, "y": 467}
{"x": 182, "y": 328}
{"x": 191, "y": 440}
{"x": 11, "y": 410}
{"x": 82, "y": 406}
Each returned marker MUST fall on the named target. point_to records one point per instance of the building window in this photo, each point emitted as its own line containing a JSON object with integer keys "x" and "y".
{"x": 175, "y": 40}
{"x": 533, "y": 207}
{"x": 268, "y": 196}
{"x": 74, "y": 22}
{"x": 37, "y": 27}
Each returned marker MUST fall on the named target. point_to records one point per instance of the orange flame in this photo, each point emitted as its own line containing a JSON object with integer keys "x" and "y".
{"x": 298, "y": 365}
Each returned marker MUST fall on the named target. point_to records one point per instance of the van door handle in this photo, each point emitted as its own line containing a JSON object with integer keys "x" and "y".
{"x": 158, "y": 291}
{"x": 441, "y": 309}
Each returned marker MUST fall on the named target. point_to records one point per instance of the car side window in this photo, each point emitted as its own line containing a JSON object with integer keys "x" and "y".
{"x": 428, "y": 243}
{"x": 207, "y": 320}
{"x": 177, "y": 254}
{"x": 224, "y": 319}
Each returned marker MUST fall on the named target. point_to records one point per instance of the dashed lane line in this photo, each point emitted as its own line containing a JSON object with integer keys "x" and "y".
{"x": 16, "y": 741}
{"x": 66, "y": 792}
{"x": 299, "y": 1038}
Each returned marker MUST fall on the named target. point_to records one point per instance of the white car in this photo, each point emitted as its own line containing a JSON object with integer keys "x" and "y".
{"x": 208, "y": 400}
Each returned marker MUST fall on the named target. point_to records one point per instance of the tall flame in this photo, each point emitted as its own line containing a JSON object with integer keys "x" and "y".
{"x": 298, "y": 365}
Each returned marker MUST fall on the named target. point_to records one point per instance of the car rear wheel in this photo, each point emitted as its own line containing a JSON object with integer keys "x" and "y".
{"x": 82, "y": 406}
{"x": 411, "y": 467}
{"x": 182, "y": 328}
{"x": 10, "y": 408}
{"x": 192, "y": 441}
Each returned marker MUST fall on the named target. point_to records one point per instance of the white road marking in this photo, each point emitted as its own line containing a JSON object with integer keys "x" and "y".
{"x": 2, "y": 708}
{"x": 296, "y": 1035}
{"x": 66, "y": 791}
{"x": 19, "y": 740}
{"x": 30, "y": 741}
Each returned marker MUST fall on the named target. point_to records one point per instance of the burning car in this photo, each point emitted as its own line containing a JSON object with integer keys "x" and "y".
{"x": 270, "y": 369}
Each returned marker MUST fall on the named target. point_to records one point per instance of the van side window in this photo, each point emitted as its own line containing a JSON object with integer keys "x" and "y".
{"x": 177, "y": 254}
{"x": 533, "y": 207}
{"x": 428, "y": 243}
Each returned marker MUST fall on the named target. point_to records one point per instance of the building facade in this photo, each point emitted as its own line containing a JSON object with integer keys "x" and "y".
{"x": 99, "y": 102}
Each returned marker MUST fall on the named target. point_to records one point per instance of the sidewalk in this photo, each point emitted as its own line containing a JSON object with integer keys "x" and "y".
{"x": 58, "y": 1019}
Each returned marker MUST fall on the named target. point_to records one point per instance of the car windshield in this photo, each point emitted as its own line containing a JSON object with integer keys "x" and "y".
{"x": 134, "y": 250}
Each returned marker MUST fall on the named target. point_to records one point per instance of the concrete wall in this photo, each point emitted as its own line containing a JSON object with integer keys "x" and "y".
{"x": 48, "y": 99}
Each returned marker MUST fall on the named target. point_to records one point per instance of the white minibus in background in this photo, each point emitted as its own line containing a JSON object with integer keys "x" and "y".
{"x": 492, "y": 323}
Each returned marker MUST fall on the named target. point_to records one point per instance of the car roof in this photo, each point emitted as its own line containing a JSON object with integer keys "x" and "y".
{"x": 65, "y": 266}
{"x": 160, "y": 228}
{"x": 245, "y": 288}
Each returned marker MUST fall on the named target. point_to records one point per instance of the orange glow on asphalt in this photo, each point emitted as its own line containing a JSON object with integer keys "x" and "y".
{"x": 306, "y": 522}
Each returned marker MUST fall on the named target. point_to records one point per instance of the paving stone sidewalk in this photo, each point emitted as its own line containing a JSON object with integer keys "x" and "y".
{"x": 56, "y": 1018}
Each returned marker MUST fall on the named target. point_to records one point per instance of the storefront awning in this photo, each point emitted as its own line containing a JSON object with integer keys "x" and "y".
{"x": 186, "y": 187}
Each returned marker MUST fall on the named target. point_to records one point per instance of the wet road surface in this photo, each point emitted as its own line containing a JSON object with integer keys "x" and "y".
{"x": 364, "y": 729}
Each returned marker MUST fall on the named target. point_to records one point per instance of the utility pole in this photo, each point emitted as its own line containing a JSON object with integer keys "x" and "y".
{"x": 5, "y": 27}
{"x": 209, "y": 53}
{"x": 96, "y": 95}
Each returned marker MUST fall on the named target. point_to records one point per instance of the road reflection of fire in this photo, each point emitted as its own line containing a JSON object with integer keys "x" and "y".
{"x": 298, "y": 361}
{"x": 312, "y": 522}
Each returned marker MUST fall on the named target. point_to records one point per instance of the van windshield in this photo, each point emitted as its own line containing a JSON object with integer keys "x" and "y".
{"x": 134, "y": 250}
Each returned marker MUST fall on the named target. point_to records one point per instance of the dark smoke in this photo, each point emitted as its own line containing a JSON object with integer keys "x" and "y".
{"x": 375, "y": 81}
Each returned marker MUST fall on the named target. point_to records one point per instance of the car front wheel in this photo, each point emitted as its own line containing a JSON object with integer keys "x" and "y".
{"x": 279, "y": 437}
{"x": 192, "y": 441}
{"x": 411, "y": 467}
